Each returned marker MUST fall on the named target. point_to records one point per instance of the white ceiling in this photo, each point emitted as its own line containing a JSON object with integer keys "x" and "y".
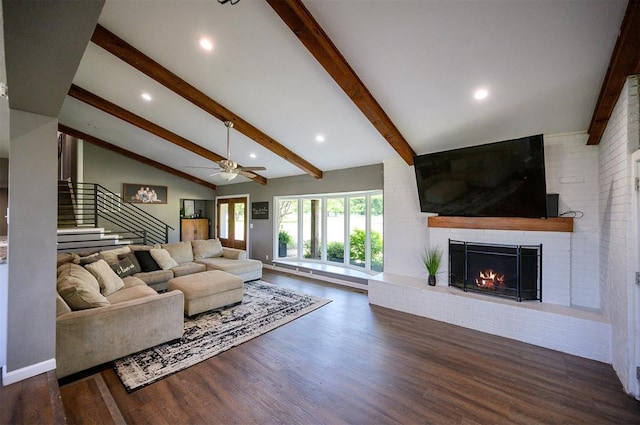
{"x": 542, "y": 61}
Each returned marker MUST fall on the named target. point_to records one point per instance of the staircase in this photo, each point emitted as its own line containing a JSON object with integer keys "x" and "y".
{"x": 91, "y": 216}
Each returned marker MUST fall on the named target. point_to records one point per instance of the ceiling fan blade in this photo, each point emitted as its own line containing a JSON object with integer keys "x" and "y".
{"x": 252, "y": 168}
{"x": 246, "y": 173}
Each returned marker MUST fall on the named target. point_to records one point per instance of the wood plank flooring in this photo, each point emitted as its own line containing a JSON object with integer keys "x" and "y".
{"x": 352, "y": 363}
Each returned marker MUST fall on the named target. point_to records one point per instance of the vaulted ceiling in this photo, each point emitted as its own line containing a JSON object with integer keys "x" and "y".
{"x": 377, "y": 79}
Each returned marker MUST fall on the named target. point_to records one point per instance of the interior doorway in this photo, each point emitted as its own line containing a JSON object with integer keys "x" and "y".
{"x": 231, "y": 221}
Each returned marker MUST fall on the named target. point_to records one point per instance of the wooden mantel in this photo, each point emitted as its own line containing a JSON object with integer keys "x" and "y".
{"x": 556, "y": 224}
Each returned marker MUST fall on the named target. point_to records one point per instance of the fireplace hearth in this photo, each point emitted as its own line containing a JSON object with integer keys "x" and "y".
{"x": 511, "y": 271}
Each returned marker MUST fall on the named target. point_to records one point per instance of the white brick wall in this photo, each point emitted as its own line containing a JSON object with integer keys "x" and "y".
{"x": 616, "y": 239}
{"x": 570, "y": 277}
{"x": 559, "y": 328}
{"x": 572, "y": 171}
{"x": 405, "y": 227}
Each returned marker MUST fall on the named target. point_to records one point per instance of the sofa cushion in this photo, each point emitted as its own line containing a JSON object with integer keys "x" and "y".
{"x": 79, "y": 288}
{"x": 206, "y": 248}
{"x": 183, "y": 269}
{"x": 109, "y": 281}
{"x": 231, "y": 266}
{"x": 88, "y": 259}
{"x": 147, "y": 263}
{"x": 163, "y": 258}
{"x": 111, "y": 255}
{"x": 66, "y": 257}
{"x": 180, "y": 251}
{"x": 129, "y": 293}
{"x": 156, "y": 276}
{"x": 124, "y": 267}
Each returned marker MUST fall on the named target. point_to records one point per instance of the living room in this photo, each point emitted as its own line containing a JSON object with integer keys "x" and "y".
{"x": 594, "y": 180}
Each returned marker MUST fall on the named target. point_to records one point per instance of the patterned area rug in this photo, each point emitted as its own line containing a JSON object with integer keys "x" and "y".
{"x": 264, "y": 307}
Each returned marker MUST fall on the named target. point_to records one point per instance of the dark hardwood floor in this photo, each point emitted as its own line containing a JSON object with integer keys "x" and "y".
{"x": 352, "y": 363}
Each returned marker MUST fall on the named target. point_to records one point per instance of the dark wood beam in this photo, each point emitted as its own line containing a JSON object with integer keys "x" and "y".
{"x": 625, "y": 61}
{"x": 311, "y": 34}
{"x": 132, "y": 56}
{"x": 143, "y": 159}
{"x": 135, "y": 120}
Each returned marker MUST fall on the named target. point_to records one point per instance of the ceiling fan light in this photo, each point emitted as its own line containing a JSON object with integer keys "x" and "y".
{"x": 228, "y": 176}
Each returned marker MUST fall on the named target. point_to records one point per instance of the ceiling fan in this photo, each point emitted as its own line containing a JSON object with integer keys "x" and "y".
{"x": 229, "y": 169}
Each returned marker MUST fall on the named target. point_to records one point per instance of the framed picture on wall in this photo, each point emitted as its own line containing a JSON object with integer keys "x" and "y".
{"x": 144, "y": 193}
{"x": 259, "y": 210}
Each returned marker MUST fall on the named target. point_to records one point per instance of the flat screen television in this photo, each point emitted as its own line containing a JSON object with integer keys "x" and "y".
{"x": 501, "y": 179}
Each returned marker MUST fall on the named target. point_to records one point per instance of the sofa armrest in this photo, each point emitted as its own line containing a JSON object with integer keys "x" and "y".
{"x": 234, "y": 254}
{"x": 88, "y": 338}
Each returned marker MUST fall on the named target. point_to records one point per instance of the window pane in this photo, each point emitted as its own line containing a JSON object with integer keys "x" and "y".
{"x": 223, "y": 220}
{"x": 287, "y": 228}
{"x": 312, "y": 228}
{"x": 376, "y": 211}
{"x": 335, "y": 230}
{"x": 239, "y": 212}
{"x": 357, "y": 231}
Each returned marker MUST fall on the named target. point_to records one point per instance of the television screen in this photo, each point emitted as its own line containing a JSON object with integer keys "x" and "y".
{"x": 501, "y": 179}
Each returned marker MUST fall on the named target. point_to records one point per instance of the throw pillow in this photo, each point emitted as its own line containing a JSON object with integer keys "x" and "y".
{"x": 124, "y": 268}
{"x": 111, "y": 255}
{"x": 132, "y": 257}
{"x": 66, "y": 257}
{"x": 163, "y": 258}
{"x": 206, "y": 248}
{"x": 180, "y": 251}
{"x": 147, "y": 263}
{"x": 79, "y": 288}
{"x": 109, "y": 281}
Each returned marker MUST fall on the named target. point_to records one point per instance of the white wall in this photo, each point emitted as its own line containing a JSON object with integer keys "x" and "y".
{"x": 619, "y": 140}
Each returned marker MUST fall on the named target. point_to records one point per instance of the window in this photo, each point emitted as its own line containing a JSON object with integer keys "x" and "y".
{"x": 343, "y": 229}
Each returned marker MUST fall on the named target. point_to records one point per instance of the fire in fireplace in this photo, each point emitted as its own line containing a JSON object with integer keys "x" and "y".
{"x": 512, "y": 271}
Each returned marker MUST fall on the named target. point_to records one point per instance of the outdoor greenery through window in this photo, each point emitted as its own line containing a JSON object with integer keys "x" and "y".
{"x": 339, "y": 229}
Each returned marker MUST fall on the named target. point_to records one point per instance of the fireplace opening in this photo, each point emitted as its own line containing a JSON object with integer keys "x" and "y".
{"x": 512, "y": 271}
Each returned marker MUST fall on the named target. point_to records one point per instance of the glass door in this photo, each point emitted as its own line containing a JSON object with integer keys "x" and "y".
{"x": 232, "y": 222}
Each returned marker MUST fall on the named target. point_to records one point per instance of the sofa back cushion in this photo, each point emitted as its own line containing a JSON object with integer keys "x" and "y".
{"x": 109, "y": 281}
{"x": 111, "y": 255}
{"x": 79, "y": 288}
{"x": 180, "y": 251}
{"x": 206, "y": 248}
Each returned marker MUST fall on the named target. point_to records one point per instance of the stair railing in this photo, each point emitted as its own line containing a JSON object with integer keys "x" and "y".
{"x": 95, "y": 206}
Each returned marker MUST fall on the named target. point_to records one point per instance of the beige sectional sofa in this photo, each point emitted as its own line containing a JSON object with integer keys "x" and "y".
{"x": 108, "y": 307}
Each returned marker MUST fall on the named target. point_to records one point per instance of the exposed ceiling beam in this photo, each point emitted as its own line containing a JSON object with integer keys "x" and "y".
{"x": 135, "y": 120}
{"x": 311, "y": 34}
{"x": 132, "y": 56}
{"x": 113, "y": 148}
{"x": 625, "y": 61}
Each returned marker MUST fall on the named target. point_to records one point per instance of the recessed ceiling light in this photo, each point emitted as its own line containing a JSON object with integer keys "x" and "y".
{"x": 146, "y": 96}
{"x": 206, "y": 44}
{"x": 480, "y": 94}
{"x": 320, "y": 138}
{"x": 253, "y": 155}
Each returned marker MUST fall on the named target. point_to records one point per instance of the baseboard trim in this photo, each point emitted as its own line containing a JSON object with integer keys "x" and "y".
{"x": 18, "y": 375}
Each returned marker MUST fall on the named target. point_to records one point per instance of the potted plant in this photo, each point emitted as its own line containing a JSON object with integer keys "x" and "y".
{"x": 284, "y": 240}
{"x": 432, "y": 259}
